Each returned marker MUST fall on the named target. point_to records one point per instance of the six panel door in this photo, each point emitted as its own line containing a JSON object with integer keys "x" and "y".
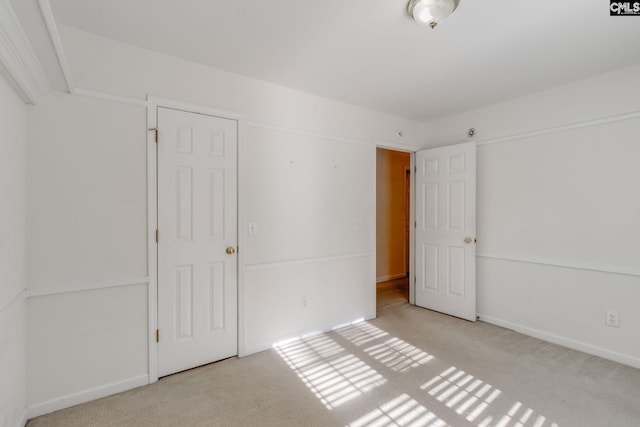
{"x": 445, "y": 230}
{"x": 197, "y": 215}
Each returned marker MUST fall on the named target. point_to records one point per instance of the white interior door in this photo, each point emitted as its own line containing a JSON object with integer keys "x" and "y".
{"x": 446, "y": 229}
{"x": 197, "y": 224}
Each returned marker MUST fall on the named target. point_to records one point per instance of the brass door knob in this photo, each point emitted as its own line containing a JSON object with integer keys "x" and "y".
{"x": 468, "y": 240}
{"x": 231, "y": 250}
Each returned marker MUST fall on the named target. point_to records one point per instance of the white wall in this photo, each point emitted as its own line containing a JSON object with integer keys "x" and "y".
{"x": 87, "y": 205}
{"x": 312, "y": 200}
{"x": 13, "y": 139}
{"x": 556, "y": 205}
{"x": 307, "y": 173}
{"x": 87, "y": 228}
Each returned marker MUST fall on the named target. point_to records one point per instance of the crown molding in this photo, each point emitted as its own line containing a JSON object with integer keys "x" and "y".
{"x": 54, "y": 35}
{"x": 19, "y": 62}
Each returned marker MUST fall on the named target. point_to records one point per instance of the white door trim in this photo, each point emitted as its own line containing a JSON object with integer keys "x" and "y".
{"x": 412, "y": 211}
{"x": 412, "y": 233}
{"x": 152, "y": 220}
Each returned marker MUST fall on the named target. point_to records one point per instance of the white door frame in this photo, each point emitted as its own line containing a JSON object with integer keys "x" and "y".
{"x": 152, "y": 220}
{"x": 412, "y": 213}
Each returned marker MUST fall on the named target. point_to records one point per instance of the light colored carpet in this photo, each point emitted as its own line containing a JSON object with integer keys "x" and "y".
{"x": 408, "y": 367}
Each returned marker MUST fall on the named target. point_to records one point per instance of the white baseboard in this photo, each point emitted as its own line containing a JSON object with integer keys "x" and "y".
{"x": 23, "y": 420}
{"x": 85, "y": 396}
{"x": 392, "y": 277}
{"x": 565, "y": 342}
{"x": 248, "y": 351}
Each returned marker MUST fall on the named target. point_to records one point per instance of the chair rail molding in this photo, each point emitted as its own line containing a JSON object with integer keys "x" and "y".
{"x": 19, "y": 62}
{"x": 20, "y": 297}
{"x": 58, "y": 289}
{"x": 561, "y": 128}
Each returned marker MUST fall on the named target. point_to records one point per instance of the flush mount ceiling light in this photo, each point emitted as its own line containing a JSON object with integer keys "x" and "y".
{"x": 430, "y": 12}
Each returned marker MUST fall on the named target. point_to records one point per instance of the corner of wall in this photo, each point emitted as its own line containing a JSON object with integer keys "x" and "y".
{"x": 12, "y": 255}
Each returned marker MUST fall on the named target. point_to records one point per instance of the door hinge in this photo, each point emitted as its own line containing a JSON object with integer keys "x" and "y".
{"x": 415, "y": 224}
{"x": 157, "y": 335}
{"x": 156, "y": 132}
{"x": 157, "y": 235}
{"x": 415, "y": 169}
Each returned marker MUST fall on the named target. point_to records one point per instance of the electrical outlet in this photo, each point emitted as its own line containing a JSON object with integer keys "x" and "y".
{"x": 613, "y": 319}
{"x": 303, "y": 301}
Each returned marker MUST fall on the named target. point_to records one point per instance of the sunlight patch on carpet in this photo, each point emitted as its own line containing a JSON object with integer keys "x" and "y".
{"x": 398, "y": 355}
{"x": 328, "y": 370}
{"x": 361, "y": 333}
{"x": 472, "y": 398}
{"x": 400, "y": 411}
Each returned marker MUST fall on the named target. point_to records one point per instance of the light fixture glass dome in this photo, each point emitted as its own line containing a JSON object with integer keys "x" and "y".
{"x": 430, "y": 12}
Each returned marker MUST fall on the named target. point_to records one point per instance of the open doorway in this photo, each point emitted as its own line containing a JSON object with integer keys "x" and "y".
{"x": 393, "y": 227}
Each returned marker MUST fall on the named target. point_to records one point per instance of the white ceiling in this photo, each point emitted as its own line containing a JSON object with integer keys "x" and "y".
{"x": 370, "y": 53}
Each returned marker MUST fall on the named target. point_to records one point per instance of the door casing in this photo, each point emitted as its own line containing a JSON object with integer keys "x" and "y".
{"x": 412, "y": 153}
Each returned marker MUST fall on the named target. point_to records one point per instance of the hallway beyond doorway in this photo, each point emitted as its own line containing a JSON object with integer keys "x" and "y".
{"x": 392, "y": 292}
